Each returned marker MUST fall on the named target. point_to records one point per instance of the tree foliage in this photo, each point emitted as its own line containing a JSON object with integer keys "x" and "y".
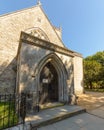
{"x": 94, "y": 70}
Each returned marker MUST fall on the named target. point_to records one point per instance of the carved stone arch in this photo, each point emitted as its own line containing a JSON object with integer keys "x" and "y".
{"x": 56, "y": 62}
{"x": 38, "y": 32}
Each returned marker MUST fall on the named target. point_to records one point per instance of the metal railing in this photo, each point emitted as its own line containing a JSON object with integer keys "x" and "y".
{"x": 12, "y": 110}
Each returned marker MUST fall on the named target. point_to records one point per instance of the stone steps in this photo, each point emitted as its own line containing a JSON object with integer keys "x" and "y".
{"x": 49, "y": 116}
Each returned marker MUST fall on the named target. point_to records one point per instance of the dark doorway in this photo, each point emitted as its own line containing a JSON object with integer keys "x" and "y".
{"x": 48, "y": 84}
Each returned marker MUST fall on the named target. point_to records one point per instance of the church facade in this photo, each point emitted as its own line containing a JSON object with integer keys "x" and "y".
{"x": 33, "y": 58}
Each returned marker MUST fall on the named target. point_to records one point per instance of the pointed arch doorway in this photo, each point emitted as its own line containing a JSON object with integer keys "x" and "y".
{"x": 48, "y": 84}
{"x": 51, "y": 80}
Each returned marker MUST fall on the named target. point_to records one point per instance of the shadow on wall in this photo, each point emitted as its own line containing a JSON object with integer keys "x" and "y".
{"x": 70, "y": 76}
{"x": 82, "y": 84}
{"x": 30, "y": 57}
{"x": 8, "y": 77}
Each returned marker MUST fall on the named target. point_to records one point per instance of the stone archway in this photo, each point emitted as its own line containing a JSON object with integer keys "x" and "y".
{"x": 49, "y": 84}
{"x": 61, "y": 76}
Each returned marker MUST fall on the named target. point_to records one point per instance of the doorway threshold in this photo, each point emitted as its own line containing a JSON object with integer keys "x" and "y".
{"x": 51, "y": 105}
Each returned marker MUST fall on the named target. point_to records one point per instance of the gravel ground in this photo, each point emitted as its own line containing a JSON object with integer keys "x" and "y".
{"x": 91, "y": 100}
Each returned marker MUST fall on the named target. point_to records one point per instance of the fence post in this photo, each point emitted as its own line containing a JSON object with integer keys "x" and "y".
{"x": 23, "y": 107}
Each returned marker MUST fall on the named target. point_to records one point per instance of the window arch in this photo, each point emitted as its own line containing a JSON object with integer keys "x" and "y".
{"x": 37, "y": 32}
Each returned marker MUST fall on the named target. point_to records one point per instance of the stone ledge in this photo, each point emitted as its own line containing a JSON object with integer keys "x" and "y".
{"x": 29, "y": 39}
{"x": 51, "y": 105}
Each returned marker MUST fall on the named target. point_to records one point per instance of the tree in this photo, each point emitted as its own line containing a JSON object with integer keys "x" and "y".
{"x": 92, "y": 69}
{"x": 99, "y": 57}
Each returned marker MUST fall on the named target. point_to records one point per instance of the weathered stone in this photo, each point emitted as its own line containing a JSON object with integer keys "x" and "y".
{"x": 28, "y": 44}
{"x": 10, "y": 30}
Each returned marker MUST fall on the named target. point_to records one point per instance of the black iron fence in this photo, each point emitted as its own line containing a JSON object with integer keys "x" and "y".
{"x": 12, "y": 110}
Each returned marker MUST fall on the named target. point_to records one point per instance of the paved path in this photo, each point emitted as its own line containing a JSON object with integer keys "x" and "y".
{"x": 92, "y": 120}
{"x": 81, "y": 122}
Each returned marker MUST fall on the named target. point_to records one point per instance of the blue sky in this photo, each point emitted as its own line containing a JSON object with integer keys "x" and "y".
{"x": 82, "y": 21}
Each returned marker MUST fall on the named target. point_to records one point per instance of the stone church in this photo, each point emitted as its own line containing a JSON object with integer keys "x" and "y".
{"x": 34, "y": 59}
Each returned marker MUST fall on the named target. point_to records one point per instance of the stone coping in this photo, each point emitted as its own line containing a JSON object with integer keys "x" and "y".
{"x": 29, "y": 39}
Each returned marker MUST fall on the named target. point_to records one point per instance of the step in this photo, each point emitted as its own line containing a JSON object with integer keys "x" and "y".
{"x": 49, "y": 116}
{"x": 51, "y": 105}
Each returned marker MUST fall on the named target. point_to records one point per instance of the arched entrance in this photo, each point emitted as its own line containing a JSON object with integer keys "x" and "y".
{"x": 53, "y": 83}
{"x": 49, "y": 84}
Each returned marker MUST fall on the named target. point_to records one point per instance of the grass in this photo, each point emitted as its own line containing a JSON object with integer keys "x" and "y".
{"x": 95, "y": 90}
{"x": 8, "y": 117}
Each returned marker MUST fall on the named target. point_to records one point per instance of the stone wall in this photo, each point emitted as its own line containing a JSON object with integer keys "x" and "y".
{"x": 68, "y": 63}
{"x": 8, "y": 77}
{"x": 30, "y": 56}
{"x": 10, "y": 30}
{"x": 78, "y": 74}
